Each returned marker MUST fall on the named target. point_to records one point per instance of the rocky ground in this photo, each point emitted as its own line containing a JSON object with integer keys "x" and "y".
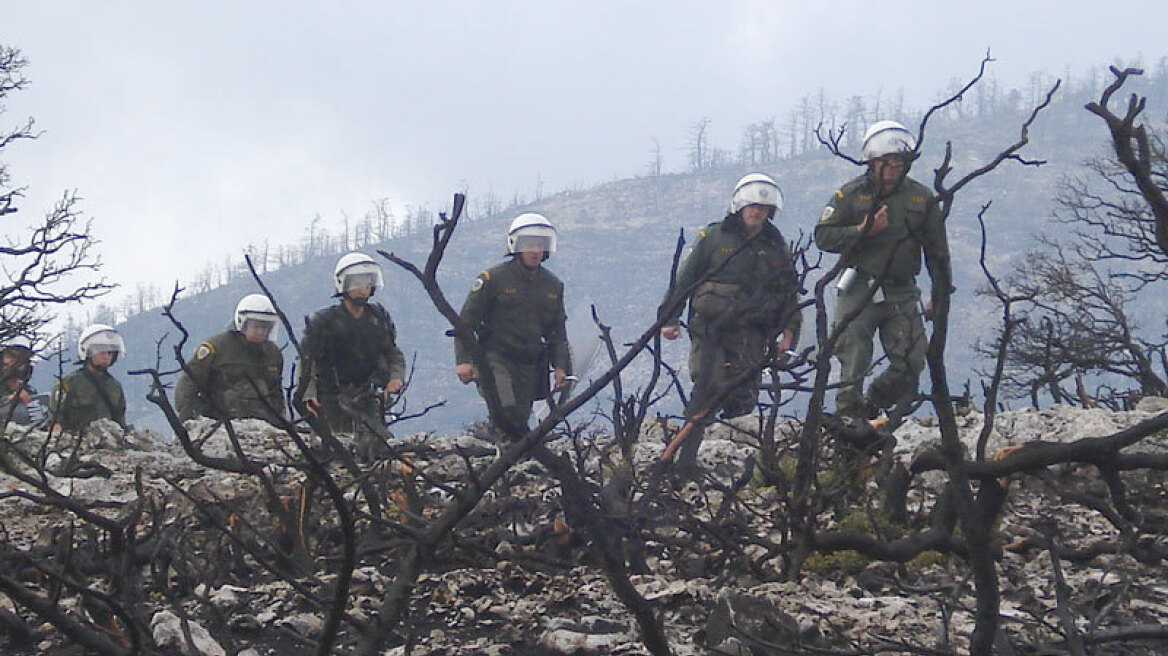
{"x": 516, "y": 580}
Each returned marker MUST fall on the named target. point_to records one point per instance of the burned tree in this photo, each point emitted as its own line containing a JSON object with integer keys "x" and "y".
{"x": 1138, "y": 151}
{"x": 47, "y": 261}
{"x": 1092, "y": 313}
{"x": 1075, "y": 322}
{"x": 966, "y": 503}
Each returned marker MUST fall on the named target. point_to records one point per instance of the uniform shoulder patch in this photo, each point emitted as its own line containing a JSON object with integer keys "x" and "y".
{"x": 839, "y": 193}
{"x": 204, "y": 351}
{"x": 701, "y": 234}
{"x": 827, "y": 213}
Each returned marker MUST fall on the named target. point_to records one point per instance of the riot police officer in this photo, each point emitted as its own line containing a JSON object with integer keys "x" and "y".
{"x": 237, "y": 373}
{"x": 350, "y": 349}
{"x": 516, "y": 310}
{"x": 882, "y": 223}
{"x": 745, "y": 301}
{"x": 90, "y": 393}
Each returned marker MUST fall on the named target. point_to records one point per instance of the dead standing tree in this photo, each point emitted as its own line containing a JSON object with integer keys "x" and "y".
{"x": 581, "y": 505}
{"x": 973, "y": 512}
{"x": 1083, "y": 315}
{"x": 1135, "y": 151}
{"x": 1080, "y": 322}
{"x": 977, "y": 513}
{"x": 256, "y": 541}
{"x": 42, "y": 262}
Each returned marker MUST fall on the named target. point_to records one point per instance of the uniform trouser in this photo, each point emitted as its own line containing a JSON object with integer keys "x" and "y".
{"x": 720, "y": 354}
{"x": 902, "y": 335}
{"x": 241, "y": 402}
{"x": 517, "y": 385}
{"x": 342, "y": 421}
{"x": 361, "y": 416}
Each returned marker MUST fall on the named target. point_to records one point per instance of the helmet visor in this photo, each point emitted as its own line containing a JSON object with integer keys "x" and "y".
{"x": 756, "y": 193}
{"x": 104, "y": 342}
{"x": 361, "y": 280}
{"x": 889, "y": 142}
{"x": 533, "y": 243}
{"x": 258, "y": 328}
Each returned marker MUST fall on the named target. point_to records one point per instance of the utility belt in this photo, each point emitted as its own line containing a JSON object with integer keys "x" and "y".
{"x": 354, "y": 390}
{"x": 520, "y": 355}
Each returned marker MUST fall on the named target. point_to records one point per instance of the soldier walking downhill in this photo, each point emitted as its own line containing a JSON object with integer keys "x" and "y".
{"x": 351, "y": 363}
{"x": 745, "y": 302}
{"x": 517, "y": 312}
{"x": 881, "y": 223}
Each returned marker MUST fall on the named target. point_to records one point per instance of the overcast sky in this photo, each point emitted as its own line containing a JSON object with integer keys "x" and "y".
{"x": 192, "y": 128}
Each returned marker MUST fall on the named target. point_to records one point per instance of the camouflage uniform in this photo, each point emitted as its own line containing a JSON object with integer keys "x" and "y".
{"x": 13, "y": 381}
{"x": 84, "y": 396}
{"x": 518, "y": 315}
{"x": 230, "y": 374}
{"x": 349, "y": 356}
{"x": 892, "y": 260}
{"x": 13, "y": 410}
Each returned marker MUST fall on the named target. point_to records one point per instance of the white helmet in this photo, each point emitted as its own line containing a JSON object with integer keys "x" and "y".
{"x": 99, "y": 338}
{"x": 757, "y": 189}
{"x": 18, "y": 343}
{"x": 258, "y": 308}
{"x": 887, "y": 138}
{"x": 530, "y": 231}
{"x": 356, "y": 270}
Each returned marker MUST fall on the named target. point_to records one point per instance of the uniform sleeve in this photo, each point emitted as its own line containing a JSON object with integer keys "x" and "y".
{"x": 275, "y": 395}
{"x": 394, "y": 360}
{"x": 59, "y": 411}
{"x": 790, "y": 291}
{"x": 189, "y": 399}
{"x": 835, "y": 232}
{"x": 474, "y": 311}
{"x": 119, "y": 409}
{"x": 186, "y": 398}
{"x": 561, "y": 353}
{"x": 306, "y": 379}
{"x": 935, "y": 243}
{"x": 691, "y": 270}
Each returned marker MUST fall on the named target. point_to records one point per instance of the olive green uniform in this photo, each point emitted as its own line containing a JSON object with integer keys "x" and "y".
{"x": 83, "y": 396}
{"x": 349, "y": 356}
{"x": 891, "y": 260}
{"x": 749, "y": 296}
{"x": 518, "y": 315}
{"x": 231, "y": 375}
